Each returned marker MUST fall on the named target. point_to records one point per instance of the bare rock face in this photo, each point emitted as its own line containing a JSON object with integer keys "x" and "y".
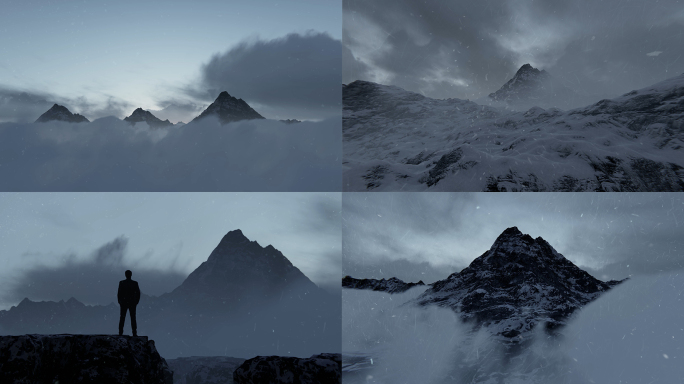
{"x": 325, "y": 368}
{"x": 61, "y": 113}
{"x": 93, "y": 359}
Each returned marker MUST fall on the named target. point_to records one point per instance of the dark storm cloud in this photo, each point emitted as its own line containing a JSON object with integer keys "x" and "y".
{"x": 27, "y": 106}
{"x": 469, "y": 49}
{"x": 93, "y": 280}
{"x": 611, "y": 236}
{"x": 296, "y": 71}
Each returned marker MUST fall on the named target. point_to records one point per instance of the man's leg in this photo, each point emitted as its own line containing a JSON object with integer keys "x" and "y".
{"x": 122, "y": 319}
{"x": 134, "y": 323}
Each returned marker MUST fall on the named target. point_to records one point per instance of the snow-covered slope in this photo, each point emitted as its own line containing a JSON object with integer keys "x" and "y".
{"x": 61, "y": 113}
{"x": 141, "y": 115}
{"x": 519, "y": 283}
{"x": 391, "y": 285}
{"x": 398, "y": 140}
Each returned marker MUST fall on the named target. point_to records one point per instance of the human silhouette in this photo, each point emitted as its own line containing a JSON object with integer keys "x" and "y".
{"x": 128, "y": 297}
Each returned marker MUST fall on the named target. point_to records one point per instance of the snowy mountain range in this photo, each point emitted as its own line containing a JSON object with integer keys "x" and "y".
{"x": 399, "y": 140}
{"x": 245, "y": 300}
{"x": 518, "y": 283}
{"x": 391, "y": 285}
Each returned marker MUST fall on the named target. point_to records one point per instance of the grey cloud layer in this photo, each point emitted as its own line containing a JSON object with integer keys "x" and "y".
{"x": 300, "y": 72}
{"x": 469, "y": 49}
{"x": 612, "y": 236}
{"x": 110, "y": 155}
{"x": 93, "y": 280}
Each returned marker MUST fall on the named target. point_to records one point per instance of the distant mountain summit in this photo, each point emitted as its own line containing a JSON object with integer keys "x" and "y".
{"x": 61, "y": 113}
{"x": 518, "y": 283}
{"x": 391, "y": 285}
{"x": 240, "y": 270}
{"x": 532, "y": 87}
{"x": 140, "y": 115}
{"x": 229, "y": 109}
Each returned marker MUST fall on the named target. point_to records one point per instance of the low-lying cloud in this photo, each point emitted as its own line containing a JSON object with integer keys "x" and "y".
{"x": 111, "y": 155}
{"x": 92, "y": 279}
{"x": 297, "y": 76}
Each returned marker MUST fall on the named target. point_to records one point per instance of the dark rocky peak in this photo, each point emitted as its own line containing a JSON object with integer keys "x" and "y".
{"x": 61, "y": 113}
{"x": 141, "y": 115}
{"x": 519, "y": 282}
{"x": 229, "y": 109}
{"x": 528, "y": 71}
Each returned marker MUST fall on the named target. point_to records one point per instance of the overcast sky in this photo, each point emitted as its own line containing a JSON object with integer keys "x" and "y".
{"x": 428, "y": 236}
{"x": 470, "y": 49}
{"x": 110, "y": 57}
{"x": 57, "y": 245}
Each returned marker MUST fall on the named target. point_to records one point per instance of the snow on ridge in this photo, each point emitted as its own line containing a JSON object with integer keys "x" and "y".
{"x": 399, "y": 140}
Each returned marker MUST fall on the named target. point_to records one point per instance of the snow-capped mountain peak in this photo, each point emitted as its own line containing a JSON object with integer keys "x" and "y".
{"x": 518, "y": 283}
{"x": 141, "y": 115}
{"x": 229, "y": 109}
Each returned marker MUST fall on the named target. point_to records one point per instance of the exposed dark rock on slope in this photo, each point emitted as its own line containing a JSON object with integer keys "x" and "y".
{"x": 229, "y": 109}
{"x": 61, "y": 113}
{"x": 391, "y": 285}
{"x": 140, "y": 115}
{"x": 531, "y": 87}
{"x": 87, "y": 359}
{"x": 518, "y": 283}
{"x": 325, "y": 368}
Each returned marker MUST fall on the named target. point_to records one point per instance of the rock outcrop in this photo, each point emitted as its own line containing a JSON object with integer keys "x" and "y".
{"x": 87, "y": 359}
{"x": 325, "y": 368}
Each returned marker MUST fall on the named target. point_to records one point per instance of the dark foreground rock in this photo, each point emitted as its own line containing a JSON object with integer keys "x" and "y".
{"x": 96, "y": 359}
{"x": 325, "y": 368}
{"x": 204, "y": 369}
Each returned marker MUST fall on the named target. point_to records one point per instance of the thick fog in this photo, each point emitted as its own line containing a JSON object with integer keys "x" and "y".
{"x": 629, "y": 335}
{"x": 110, "y": 155}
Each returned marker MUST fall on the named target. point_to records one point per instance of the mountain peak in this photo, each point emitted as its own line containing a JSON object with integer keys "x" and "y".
{"x": 141, "y": 115}
{"x": 229, "y": 109}
{"x": 61, "y": 113}
{"x": 518, "y": 283}
{"x": 234, "y": 237}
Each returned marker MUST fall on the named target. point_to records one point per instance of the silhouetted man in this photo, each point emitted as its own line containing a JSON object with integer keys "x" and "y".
{"x": 129, "y": 297}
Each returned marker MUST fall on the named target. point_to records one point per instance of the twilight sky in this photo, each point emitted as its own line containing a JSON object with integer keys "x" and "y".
{"x": 469, "y": 49}
{"x": 57, "y": 245}
{"x": 428, "y": 236}
{"x": 109, "y": 57}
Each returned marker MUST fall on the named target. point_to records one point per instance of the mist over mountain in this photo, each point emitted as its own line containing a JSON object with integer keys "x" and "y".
{"x": 245, "y": 300}
{"x": 399, "y": 140}
{"x": 140, "y": 115}
{"x": 531, "y": 87}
